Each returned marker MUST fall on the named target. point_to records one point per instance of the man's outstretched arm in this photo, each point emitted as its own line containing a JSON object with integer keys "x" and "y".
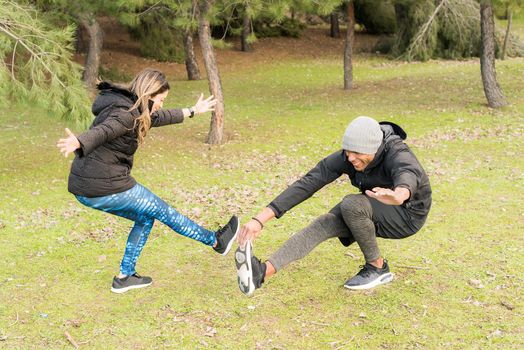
{"x": 325, "y": 172}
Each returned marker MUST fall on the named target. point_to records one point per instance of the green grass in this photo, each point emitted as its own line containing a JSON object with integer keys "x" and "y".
{"x": 58, "y": 257}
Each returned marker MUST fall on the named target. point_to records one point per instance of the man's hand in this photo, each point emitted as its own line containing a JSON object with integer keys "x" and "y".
{"x": 69, "y": 144}
{"x": 253, "y": 228}
{"x": 249, "y": 231}
{"x": 203, "y": 106}
{"x": 387, "y": 196}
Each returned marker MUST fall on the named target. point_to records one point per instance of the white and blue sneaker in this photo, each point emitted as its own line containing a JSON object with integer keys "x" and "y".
{"x": 370, "y": 277}
{"x": 250, "y": 270}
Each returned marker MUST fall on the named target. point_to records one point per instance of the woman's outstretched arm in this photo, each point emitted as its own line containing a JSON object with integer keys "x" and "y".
{"x": 173, "y": 116}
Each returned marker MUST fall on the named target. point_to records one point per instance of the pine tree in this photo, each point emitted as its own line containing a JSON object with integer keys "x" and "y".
{"x": 441, "y": 28}
{"x": 216, "y": 131}
{"x": 84, "y": 14}
{"x": 173, "y": 25}
{"x": 334, "y": 31}
{"x": 36, "y": 63}
{"x": 348, "y": 47}
{"x": 492, "y": 88}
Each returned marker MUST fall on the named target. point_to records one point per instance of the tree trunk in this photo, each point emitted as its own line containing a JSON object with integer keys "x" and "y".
{"x": 216, "y": 131}
{"x": 492, "y": 89}
{"x": 246, "y": 30}
{"x": 335, "y": 27}
{"x": 81, "y": 42}
{"x": 90, "y": 74}
{"x": 348, "y": 47}
{"x": 509, "y": 15}
{"x": 193, "y": 73}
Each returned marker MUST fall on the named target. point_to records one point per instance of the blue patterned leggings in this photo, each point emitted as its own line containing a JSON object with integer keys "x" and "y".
{"x": 143, "y": 207}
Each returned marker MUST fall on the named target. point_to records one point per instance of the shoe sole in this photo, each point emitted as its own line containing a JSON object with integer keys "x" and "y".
{"x": 230, "y": 244}
{"x": 123, "y": 290}
{"x": 383, "y": 279}
{"x": 244, "y": 270}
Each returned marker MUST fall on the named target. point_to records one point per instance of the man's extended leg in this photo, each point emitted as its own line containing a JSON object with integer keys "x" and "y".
{"x": 299, "y": 245}
{"x": 252, "y": 272}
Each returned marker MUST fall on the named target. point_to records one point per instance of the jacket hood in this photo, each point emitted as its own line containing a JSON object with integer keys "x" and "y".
{"x": 392, "y": 133}
{"x": 111, "y": 95}
{"x": 390, "y": 129}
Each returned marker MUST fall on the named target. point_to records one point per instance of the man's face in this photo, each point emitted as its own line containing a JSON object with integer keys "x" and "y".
{"x": 359, "y": 160}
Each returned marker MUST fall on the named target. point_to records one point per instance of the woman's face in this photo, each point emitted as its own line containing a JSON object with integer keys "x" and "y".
{"x": 158, "y": 101}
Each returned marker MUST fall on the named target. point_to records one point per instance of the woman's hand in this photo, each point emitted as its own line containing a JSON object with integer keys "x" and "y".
{"x": 387, "y": 196}
{"x": 203, "y": 106}
{"x": 69, "y": 144}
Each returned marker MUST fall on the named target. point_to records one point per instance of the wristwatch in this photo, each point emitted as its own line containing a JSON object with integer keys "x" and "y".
{"x": 192, "y": 112}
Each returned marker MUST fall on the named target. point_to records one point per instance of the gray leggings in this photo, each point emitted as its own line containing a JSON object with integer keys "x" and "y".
{"x": 357, "y": 218}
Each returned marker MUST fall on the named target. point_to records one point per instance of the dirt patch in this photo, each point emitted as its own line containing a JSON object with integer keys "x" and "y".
{"x": 121, "y": 52}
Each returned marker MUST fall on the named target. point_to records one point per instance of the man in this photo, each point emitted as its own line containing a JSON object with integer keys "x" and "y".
{"x": 394, "y": 202}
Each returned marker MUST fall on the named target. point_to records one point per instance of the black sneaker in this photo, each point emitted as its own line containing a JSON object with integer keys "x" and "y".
{"x": 250, "y": 270}
{"x": 227, "y": 235}
{"x": 369, "y": 277}
{"x": 122, "y": 285}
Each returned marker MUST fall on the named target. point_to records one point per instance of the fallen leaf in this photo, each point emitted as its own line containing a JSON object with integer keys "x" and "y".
{"x": 353, "y": 256}
{"x": 507, "y": 305}
{"x": 476, "y": 283}
{"x": 210, "y": 332}
{"x": 496, "y": 333}
{"x": 75, "y": 323}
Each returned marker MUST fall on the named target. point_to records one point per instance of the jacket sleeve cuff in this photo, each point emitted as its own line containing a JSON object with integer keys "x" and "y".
{"x": 407, "y": 180}
{"x": 85, "y": 148}
{"x": 276, "y": 210}
{"x": 79, "y": 152}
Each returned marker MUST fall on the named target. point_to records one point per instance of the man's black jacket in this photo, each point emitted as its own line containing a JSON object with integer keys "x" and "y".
{"x": 394, "y": 166}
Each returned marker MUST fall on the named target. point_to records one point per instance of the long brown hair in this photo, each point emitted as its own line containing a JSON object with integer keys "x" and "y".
{"x": 145, "y": 85}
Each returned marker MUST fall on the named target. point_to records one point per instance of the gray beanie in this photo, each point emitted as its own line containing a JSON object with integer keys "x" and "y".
{"x": 363, "y": 135}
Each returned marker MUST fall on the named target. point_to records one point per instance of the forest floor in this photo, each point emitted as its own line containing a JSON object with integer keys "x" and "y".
{"x": 457, "y": 281}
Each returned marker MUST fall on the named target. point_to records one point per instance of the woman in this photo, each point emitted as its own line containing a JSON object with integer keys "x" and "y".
{"x": 100, "y": 174}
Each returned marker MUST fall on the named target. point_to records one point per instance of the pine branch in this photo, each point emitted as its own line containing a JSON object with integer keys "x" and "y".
{"x": 40, "y": 68}
{"x": 421, "y": 35}
{"x": 34, "y": 54}
{"x": 149, "y": 9}
{"x": 13, "y": 61}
